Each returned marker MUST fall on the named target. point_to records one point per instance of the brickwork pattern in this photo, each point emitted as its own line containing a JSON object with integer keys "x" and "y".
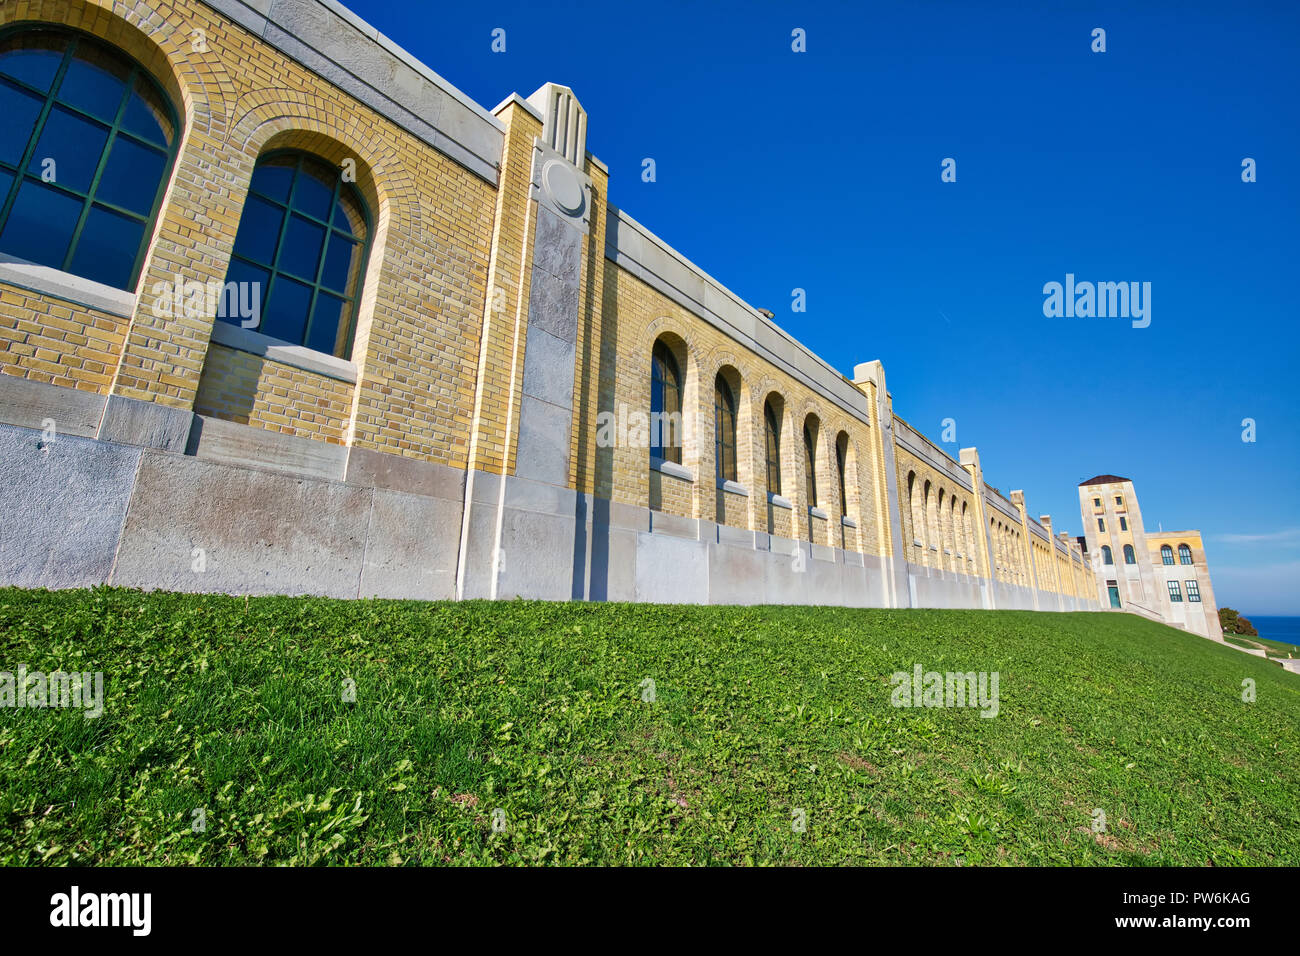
{"x": 250, "y": 390}
{"x": 48, "y": 340}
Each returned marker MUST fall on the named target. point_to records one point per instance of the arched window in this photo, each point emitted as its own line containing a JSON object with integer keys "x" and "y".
{"x": 841, "y": 460}
{"x": 86, "y": 148}
{"x": 1106, "y": 557}
{"x": 810, "y": 463}
{"x": 665, "y": 405}
{"x": 302, "y": 245}
{"x": 917, "y": 512}
{"x": 1129, "y": 556}
{"x": 724, "y": 429}
{"x": 1166, "y": 554}
{"x": 1184, "y": 554}
{"x": 772, "y": 425}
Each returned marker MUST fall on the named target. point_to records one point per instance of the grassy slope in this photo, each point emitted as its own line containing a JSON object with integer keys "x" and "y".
{"x": 1274, "y": 648}
{"x": 536, "y": 709}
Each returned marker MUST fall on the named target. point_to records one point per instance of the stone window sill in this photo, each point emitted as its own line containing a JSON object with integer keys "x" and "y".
{"x": 779, "y": 502}
{"x": 850, "y": 523}
{"x": 818, "y": 513}
{"x": 733, "y": 487}
{"x": 672, "y": 468}
{"x": 44, "y": 280}
{"x": 296, "y": 356}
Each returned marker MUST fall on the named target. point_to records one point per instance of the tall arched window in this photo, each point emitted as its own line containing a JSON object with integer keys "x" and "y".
{"x": 1184, "y": 554}
{"x": 810, "y": 463}
{"x": 665, "y": 405}
{"x": 302, "y": 245}
{"x": 1129, "y": 556}
{"x": 1106, "y": 557}
{"x": 917, "y": 512}
{"x": 772, "y": 425}
{"x": 724, "y": 429}
{"x": 1166, "y": 554}
{"x": 841, "y": 465}
{"x": 86, "y": 148}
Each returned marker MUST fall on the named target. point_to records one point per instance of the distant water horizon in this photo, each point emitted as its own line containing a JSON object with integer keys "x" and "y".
{"x": 1277, "y": 628}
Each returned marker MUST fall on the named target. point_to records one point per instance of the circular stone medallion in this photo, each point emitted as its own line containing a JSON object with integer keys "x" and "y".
{"x": 561, "y": 184}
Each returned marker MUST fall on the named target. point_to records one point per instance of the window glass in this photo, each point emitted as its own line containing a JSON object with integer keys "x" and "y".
{"x": 665, "y": 405}
{"x": 328, "y": 318}
{"x": 131, "y": 176}
{"x": 147, "y": 115}
{"x": 839, "y": 465}
{"x": 773, "y": 430}
{"x": 315, "y": 193}
{"x": 256, "y": 282}
{"x": 725, "y": 429}
{"x": 75, "y": 144}
{"x": 32, "y": 58}
{"x": 21, "y": 110}
{"x": 64, "y": 124}
{"x": 287, "y": 309}
{"x": 273, "y": 177}
{"x": 810, "y": 467}
{"x": 40, "y": 224}
{"x": 342, "y": 263}
{"x": 303, "y": 243}
{"x": 95, "y": 82}
{"x": 107, "y": 246}
{"x": 259, "y": 231}
{"x": 310, "y": 271}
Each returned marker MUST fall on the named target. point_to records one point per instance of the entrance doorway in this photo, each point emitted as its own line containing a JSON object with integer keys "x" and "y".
{"x": 1113, "y": 588}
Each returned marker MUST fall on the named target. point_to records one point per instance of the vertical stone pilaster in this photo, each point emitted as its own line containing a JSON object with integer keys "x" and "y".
{"x": 896, "y": 591}
{"x": 1027, "y": 545}
{"x": 528, "y": 513}
{"x": 985, "y": 561}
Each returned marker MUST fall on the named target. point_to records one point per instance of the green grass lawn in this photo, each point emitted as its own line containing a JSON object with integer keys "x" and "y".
{"x": 536, "y": 710}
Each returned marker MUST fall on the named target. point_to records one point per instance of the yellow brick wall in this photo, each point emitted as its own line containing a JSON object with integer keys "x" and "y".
{"x": 671, "y": 494}
{"x": 734, "y": 511}
{"x": 424, "y": 291}
{"x": 499, "y": 361}
{"x": 957, "y": 533}
{"x": 251, "y": 390}
{"x": 615, "y": 338}
{"x": 48, "y": 340}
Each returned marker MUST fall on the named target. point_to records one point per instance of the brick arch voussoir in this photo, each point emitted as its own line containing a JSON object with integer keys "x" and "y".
{"x": 274, "y": 118}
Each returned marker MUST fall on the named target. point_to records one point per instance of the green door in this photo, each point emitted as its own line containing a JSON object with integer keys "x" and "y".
{"x": 1114, "y": 596}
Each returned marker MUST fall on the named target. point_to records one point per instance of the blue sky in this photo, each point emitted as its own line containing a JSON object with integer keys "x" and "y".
{"x": 779, "y": 170}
